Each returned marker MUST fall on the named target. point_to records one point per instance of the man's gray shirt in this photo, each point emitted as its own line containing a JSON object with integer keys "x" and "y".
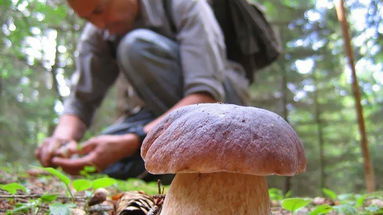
{"x": 201, "y": 46}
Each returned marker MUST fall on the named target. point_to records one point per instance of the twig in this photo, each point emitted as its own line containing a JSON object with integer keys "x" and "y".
{"x": 35, "y": 196}
{"x": 159, "y": 186}
{"x": 100, "y": 208}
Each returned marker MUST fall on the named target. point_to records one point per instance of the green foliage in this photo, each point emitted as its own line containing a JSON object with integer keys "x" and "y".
{"x": 60, "y": 209}
{"x": 46, "y": 198}
{"x": 321, "y": 209}
{"x": 138, "y": 184}
{"x": 23, "y": 208}
{"x": 27, "y": 76}
{"x": 82, "y": 184}
{"x": 87, "y": 170}
{"x": 60, "y": 175}
{"x": 374, "y": 210}
{"x": 346, "y": 209}
{"x": 294, "y": 204}
{"x": 315, "y": 97}
{"x": 12, "y": 188}
{"x": 347, "y": 204}
{"x": 360, "y": 201}
{"x": 275, "y": 194}
{"x": 103, "y": 182}
{"x": 33, "y": 206}
{"x": 329, "y": 193}
{"x": 55, "y": 15}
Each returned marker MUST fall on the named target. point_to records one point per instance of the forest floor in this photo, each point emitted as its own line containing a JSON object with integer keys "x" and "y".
{"x": 47, "y": 191}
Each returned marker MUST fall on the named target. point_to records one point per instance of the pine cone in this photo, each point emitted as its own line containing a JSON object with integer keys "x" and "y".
{"x": 135, "y": 203}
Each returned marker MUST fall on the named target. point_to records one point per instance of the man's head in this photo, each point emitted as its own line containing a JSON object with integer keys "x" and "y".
{"x": 116, "y": 16}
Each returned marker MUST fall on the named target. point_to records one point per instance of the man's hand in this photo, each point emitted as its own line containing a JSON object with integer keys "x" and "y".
{"x": 51, "y": 147}
{"x": 100, "y": 152}
{"x": 69, "y": 129}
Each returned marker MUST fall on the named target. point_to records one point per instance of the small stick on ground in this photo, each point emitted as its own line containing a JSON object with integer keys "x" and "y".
{"x": 35, "y": 196}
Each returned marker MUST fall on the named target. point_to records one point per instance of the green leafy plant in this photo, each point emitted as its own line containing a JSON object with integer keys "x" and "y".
{"x": 294, "y": 204}
{"x": 12, "y": 188}
{"x": 103, "y": 182}
{"x": 86, "y": 172}
{"x": 330, "y": 194}
{"x": 321, "y": 209}
{"x": 82, "y": 184}
{"x": 33, "y": 205}
{"x": 46, "y": 198}
{"x": 360, "y": 201}
{"x": 55, "y": 208}
{"x": 276, "y": 194}
{"x": 23, "y": 207}
{"x": 62, "y": 177}
{"x": 60, "y": 209}
{"x": 138, "y": 184}
{"x": 345, "y": 209}
{"x": 374, "y": 210}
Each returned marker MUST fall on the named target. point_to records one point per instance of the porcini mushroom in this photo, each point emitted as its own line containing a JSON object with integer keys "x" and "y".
{"x": 221, "y": 154}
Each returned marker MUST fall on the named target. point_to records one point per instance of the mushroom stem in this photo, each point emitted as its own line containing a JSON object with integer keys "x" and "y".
{"x": 217, "y": 193}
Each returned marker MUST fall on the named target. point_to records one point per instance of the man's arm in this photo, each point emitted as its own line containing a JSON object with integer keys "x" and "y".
{"x": 96, "y": 71}
{"x": 70, "y": 127}
{"x": 202, "y": 48}
{"x": 101, "y": 151}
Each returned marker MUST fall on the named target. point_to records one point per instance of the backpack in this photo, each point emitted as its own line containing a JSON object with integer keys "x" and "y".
{"x": 249, "y": 38}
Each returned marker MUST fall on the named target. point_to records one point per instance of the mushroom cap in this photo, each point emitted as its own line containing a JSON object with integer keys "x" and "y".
{"x": 207, "y": 138}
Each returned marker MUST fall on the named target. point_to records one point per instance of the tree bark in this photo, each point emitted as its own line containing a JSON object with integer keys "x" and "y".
{"x": 319, "y": 123}
{"x": 285, "y": 114}
{"x": 53, "y": 70}
{"x": 1, "y": 86}
{"x": 368, "y": 167}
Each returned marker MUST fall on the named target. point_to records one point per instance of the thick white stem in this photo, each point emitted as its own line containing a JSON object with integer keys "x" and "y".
{"x": 217, "y": 193}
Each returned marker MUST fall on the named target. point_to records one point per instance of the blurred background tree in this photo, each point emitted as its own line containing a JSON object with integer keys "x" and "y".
{"x": 309, "y": 84}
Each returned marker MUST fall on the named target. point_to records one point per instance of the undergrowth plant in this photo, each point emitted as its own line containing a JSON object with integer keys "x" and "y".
{"x": 342, "y": 204}
{"x": 56, "y": 207}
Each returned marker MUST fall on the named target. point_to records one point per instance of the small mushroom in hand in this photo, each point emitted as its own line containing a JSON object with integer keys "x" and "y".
{"x": 66, "y": 149}
{"x": 221, "y": 154}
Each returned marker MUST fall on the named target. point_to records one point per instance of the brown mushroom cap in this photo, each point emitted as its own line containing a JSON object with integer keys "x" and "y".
{"x": 209, "y": 138}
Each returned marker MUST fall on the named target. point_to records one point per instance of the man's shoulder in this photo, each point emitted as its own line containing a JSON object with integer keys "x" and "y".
{"x": 91, "y": 32}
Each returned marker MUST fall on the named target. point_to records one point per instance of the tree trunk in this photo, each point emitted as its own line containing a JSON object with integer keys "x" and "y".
{"x": 368, "y": 168}
{"x": 53, "y": 70}
{"x": 1, "y": 87}
{"x": 285, "y": 114}
{"x": 319, "y": 123}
